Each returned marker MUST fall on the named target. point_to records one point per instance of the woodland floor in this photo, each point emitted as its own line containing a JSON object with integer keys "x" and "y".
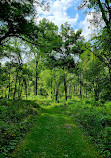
{"x": 54, "y": 135}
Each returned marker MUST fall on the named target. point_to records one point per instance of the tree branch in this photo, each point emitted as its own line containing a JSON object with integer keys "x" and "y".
{"x": 4, "y": 37}
{"x": 99, "y": 57}
{"x": 15, "y": 35}
{"x": 103, "y": 15}
{"x": 109, "y": 9}
{"x": 24, "y": 39}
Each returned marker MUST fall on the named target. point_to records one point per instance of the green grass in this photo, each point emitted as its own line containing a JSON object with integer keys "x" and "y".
{"x": 16, "y": 118}
{"x": 40, "y": 128}
{"x": 95, "y": 121}
{"x": 54, "y": 135}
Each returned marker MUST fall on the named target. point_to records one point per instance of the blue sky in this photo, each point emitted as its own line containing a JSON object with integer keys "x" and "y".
{"x": 62, "y": 11}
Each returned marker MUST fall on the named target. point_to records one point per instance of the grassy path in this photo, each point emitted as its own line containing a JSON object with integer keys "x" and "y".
{"x": 54, "y": 135}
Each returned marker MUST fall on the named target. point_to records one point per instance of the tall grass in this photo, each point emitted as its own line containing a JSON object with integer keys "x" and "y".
{"x": 95, "y": 119}
{"x": 16, "y": 118}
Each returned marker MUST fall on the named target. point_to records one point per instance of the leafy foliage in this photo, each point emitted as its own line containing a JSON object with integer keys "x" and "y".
{"x": 16, "y": 119}
{"x": 96, "y": 122}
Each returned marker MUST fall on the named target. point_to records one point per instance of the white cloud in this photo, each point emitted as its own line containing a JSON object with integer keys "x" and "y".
{"x": 89, "y": 27}
{"x": 58, "y": 13}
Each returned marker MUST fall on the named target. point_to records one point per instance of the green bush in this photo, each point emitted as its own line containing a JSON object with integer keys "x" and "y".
{"x": 96, "y": 121}
{"x": 16, "y": 119}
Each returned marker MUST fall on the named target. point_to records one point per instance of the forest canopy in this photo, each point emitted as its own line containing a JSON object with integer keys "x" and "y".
{"x": 85, "y": 67}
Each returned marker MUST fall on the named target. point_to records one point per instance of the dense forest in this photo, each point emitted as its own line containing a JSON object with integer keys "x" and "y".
{"x": 43, "y": 65}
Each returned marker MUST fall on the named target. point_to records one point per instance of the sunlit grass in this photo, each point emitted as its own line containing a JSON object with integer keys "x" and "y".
{"x": 54, "y": 135}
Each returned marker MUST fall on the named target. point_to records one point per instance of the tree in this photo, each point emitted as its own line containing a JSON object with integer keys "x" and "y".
{"x": 103, "y": 7}
{"x": 102, "y": 49}
{"x": 17, "y": 20}
{"x": 101, "y": 44}
{"x": 95, "y": 75}
{"x": 70, "y": 40}
{"x": 3, "y": 80}
{"x": 48, "y": 37}
{"x": 63, "y": 55}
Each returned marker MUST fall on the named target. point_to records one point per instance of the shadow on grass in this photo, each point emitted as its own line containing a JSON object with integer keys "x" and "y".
{"x": 18, "y": 102}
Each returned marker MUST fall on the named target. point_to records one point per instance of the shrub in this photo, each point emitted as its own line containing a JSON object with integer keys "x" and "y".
{"x": 96, "y": 122}
{"x": 16, "y": 120}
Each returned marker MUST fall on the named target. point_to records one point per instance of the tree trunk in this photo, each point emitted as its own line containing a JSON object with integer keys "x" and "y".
{"x": 57, "y": 91}
{"x": 104, "y": 16}
{"x": 26, "y": 89}
{"x": 57, "y": 94}
{"x": 96, "y": 94}
{"x": 15, "y": 86}
{"x": 25, "y": 83}
{"x": 9, "y": 87}
{"x": 80, "y": 90}
{"x": 36, "y": 79}
{"x": 110, "y": 81}
{"x": 80, "y": 86}
{"x": 20, "y": 89}
{"x": 110, "y": 74}
{"x": 51, "y": 85}
{"x": 65, "y": 87}
{"x": 4, "y": 37}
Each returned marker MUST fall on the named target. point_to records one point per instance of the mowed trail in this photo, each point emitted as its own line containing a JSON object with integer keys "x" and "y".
{"x": 54, "y": 135}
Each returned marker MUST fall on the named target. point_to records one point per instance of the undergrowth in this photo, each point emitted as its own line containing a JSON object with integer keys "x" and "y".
{"x": 95, "y": 120}
{"x": 16, "y": 119}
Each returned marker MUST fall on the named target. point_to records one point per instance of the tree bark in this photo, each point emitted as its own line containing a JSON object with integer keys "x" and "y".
{"x": 110, "y": 74}
{"x": 80, "y": 85}
{"x": 20, "y": 88}
{"x": 26, "y": 89}
{"x": 25, "y": 83}
{"x": 110, "y": 80}
{"x": 80, "y": 90}
{"x": 9, "y": 87}
{"x": 15, "y": 86}
{"x": 96, "y": 96}
{"x": 104, "y": 15}
{"x": 36, "y": 79}
{"x": 4, "y": 37}
{"x": 57, "y": 91}
{"x": 65, "y": 87}
{"x": 51, "y": 85}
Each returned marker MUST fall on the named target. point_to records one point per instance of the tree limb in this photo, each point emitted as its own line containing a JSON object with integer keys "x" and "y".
{"x": 103, "y": 15}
